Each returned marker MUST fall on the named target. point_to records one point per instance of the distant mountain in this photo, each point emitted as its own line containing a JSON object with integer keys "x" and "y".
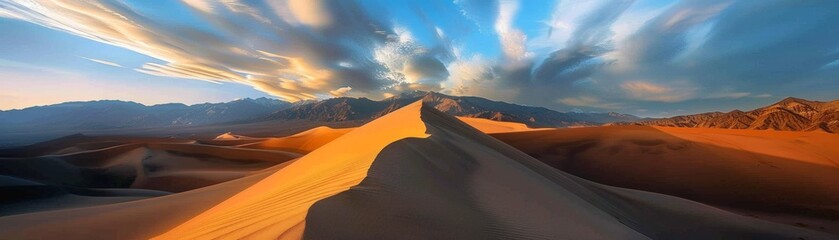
{"x": 346, "y": 109}
{"x": 108, "y": 114}
{"x": 790, "y": 114}
{"x": 29, "y": 125}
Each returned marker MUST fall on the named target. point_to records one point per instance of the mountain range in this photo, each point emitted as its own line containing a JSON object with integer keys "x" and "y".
{"x": 346, "y": 109}
{"x": 111, "y": 114}
{"x": 29, "y": 125}
{"x": 34, "y": 124}
{"x": 108, "y": 114}
{"x": 790, "y": 114}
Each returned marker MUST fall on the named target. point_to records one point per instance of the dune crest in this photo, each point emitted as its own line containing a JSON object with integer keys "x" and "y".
{"x": 303, "y": 142}
{"x": 277, "y": 205}
{"x": 309, "y": 140}
{"x": 229, "y": 136}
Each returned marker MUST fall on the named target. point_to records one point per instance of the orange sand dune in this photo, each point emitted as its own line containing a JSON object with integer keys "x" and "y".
{"x": 491, "y": 126}
{"x": 140, "y": 219}
{"x": 763, "y": 173}
{"x": 303, "y": 142}
{"x": 312, "y": 139}
{"x": 419, "y": 173}
{"x": 287, "y": 194}
{"x": 816, "y": 147}
{"x": 231, "y": 136}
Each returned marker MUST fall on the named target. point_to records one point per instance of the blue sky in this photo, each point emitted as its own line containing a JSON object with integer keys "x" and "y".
{"x": 645, "y": 57}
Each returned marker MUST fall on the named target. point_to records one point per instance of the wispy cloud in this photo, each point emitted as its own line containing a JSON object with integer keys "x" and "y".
{"x": 648, "y": 91}
{"x": 512, "y": 39}
{"x": 300, "y": 68}
{"x": 112, "y": 64}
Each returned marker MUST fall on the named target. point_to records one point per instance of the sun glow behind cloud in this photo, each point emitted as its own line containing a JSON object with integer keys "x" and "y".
{"x": 598, "y": 55}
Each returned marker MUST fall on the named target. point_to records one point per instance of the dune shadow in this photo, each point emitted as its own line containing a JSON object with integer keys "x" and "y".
{"x": 649, "y": 159}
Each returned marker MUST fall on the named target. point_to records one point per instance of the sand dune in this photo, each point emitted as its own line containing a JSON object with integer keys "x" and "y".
{"x": 490, "y": 126}
{"x": 82, "y": 187}
{"x": 231, "y": 136}
{"x": 277, "y": 205}
{"x": 787, "y": 177}
{"x": 303, "y": 142}
{"x": 418, "y": 173}
{"x": 171, "y": 167}
{"x": 309, "y": 140}
{"x": 415, "y": 173}
{"x": 79, "y": 143}
{"x": 140, "y": 219}
{"x": 120, "y": 171}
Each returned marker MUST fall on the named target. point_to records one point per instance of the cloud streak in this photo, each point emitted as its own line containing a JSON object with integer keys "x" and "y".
{"x": 112, "y": 64}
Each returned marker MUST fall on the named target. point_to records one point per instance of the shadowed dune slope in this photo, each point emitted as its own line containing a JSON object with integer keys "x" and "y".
{"x": 141, "y": 219}
{"x": 80, "y": 143}
{"x": 276, "y": 206}
{"x": 312, "y": 139}
{"x": 418, "y": 173}
{"x": 760, "y": 173}
{"x": 171, "y": 167}
{"x": 131, "y": 170}
{"x": 309, "y": 140}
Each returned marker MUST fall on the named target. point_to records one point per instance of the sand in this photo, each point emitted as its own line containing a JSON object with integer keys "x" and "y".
{"x": 140, "y": 219}
{"x": 303, "y": 142}
{"x": 309, "y": 140}
{"x": 99, "y": 171}
{"x": 415, "y": 173}
{"x": 491, "y": 126}
{"x": 277, "y": 205}
{"x": 426, "y": 175}
{"x": 312, "y": 139}
{"x": 789, "y": 177}
{"x": 231, "y": 136}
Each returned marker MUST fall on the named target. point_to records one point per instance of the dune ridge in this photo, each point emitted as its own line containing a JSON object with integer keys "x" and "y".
{"x": 492, "y": 126}
{"x": 309, "y": 140}
{"x": 461, "y": 184}
{"x": 303, "y": 142}
{"x": 276, "y": 206}
{"x": 442, "y": 179}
